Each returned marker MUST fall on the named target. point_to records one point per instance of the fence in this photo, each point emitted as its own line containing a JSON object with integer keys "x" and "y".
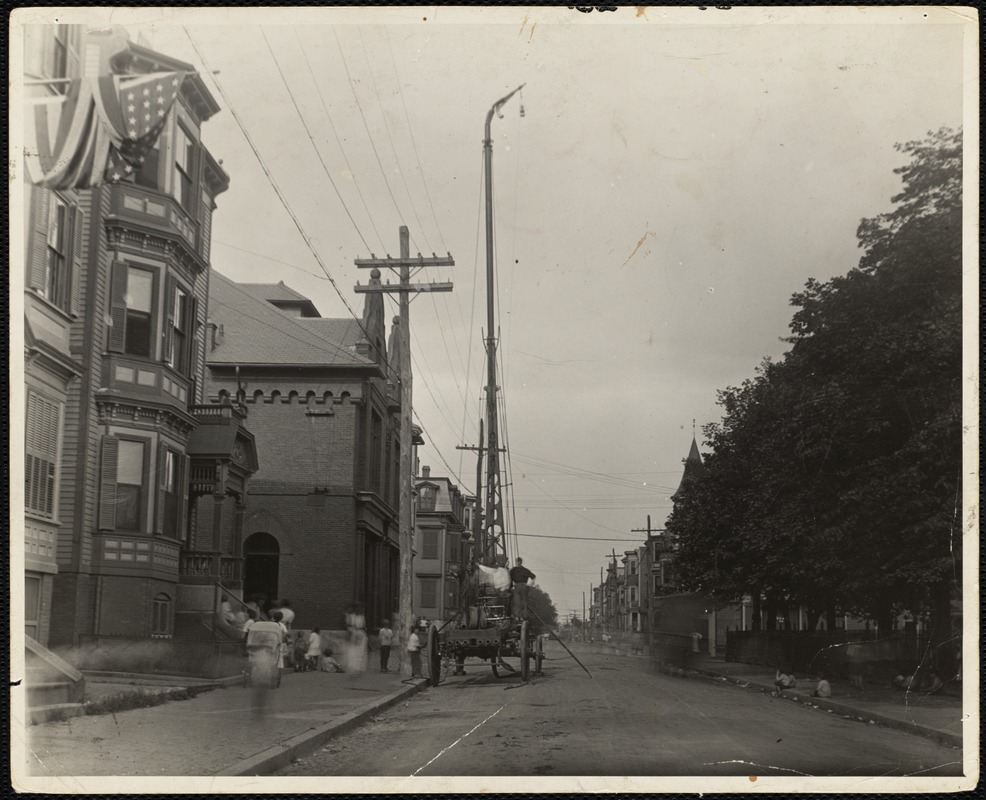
{"x": 811, "y": 652}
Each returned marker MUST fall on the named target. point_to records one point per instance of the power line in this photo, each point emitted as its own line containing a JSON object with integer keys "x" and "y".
{"x": 311, "y": 138}
{"x": 410, "y": 130}
{"x": 270, "y": 177}
{"x": 573, "y": 538}
{"x": 369, "y": 136}
{"x": 390, "y": 138}
{"x": 345, "y": 158}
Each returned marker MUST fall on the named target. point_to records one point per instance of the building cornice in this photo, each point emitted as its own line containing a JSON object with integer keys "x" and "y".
{"x": 131, "y": 237}
{"x": 113, "y": 409}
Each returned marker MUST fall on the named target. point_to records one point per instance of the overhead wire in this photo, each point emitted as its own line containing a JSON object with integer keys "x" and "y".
{"x": 366, "y": 126}
{"x": 472, "y": 318}
{"x": 311, "y": 138}
{"x": 335, "y": 132}
{"x": 273, "y": 182}
{"x": 390, "y": 138}
{"x": 400, "y": 92}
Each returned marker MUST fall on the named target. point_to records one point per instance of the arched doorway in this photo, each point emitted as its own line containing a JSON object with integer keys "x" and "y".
{"x": 261, "y": 555}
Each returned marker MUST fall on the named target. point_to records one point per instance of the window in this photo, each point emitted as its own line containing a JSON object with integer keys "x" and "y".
{"x": 633, "y": 594}
{"x": 171, "y": 492}
{"x": 180, "y": 350}
{"x": 56, "y": 272}
{"x": 58, "y": 68}
{"x": 184, "y": 153}
{"x": 453, "y": 549}
{"x": 161, "y": 616}
{"x": 129, "y": 484}
{"x": 426, "y": 498}
{"x": 131, "y": 311}
{"x": 32, "y": 605}
{"x": 633, "y": 567}
{"x": 140, "y": 290}
{"x": 376, "y": 433}
{"x": 429, "y": 592}
{"x": 147, "y": 174}
{"x": 429, "y": 544}
{"x": 41, "y": 455}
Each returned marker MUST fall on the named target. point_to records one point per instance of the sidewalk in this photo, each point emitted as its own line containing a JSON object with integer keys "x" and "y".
{"x": 938, "y": 717}
{"x": 228, "y": 730}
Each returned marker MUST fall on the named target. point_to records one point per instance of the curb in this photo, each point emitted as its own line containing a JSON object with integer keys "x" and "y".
{"x": 942, "y": 737}
{"x": 281, "y": 755}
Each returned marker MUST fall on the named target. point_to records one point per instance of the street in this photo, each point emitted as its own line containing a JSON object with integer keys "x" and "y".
{"x": 627, "y": 720}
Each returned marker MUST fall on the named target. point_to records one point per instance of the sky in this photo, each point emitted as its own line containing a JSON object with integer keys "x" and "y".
{"x": 663, "y": 184}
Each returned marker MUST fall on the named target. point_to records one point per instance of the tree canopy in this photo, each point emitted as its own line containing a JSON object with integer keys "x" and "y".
{"x": 834, "y": 476}
{"x": 540, "y": 603}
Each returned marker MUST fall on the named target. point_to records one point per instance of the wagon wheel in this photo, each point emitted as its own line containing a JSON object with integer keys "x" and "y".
{"x": 434, "y": 657}
{"x": 538, "y": 655}
{"x": 525, "y": 664}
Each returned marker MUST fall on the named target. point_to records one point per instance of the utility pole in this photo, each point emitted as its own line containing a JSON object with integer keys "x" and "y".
{"x": 405, "y": 288}
{"x": 583, "y": 616}
{"x": 477, "y": 516}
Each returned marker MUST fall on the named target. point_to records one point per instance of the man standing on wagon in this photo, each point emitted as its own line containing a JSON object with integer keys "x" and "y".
{"x": 519, "y": 576}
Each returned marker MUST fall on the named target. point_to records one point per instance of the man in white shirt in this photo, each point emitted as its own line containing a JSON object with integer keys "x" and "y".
{"x": 414, "y": 650}
{"x": 386, "y": 641}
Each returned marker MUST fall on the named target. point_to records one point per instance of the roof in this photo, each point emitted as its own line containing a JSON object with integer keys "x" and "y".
{"x": 693, "y": 465}
{"x": 256, "y": 332}
{"x": 281, "y": 295}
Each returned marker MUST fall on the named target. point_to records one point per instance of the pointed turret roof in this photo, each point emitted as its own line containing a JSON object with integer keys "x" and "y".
{"x": 693, "y": 465}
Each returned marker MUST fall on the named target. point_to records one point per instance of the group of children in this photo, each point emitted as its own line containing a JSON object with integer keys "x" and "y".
{"x": 308, "y": 654}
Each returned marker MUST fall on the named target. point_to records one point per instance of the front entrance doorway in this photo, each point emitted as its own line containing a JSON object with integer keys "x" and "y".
{"x": 261, "y": 555}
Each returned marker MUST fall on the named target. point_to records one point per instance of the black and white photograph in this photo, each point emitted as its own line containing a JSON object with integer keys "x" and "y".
{"x": 484, "y": 399}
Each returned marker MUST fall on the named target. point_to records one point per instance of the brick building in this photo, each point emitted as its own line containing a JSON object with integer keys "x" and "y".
{"x": 323, "y": 402}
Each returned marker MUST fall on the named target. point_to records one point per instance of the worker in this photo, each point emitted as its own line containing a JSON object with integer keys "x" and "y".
{"x": 519, "y": 576}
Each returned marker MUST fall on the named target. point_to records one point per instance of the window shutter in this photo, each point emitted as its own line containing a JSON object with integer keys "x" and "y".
{"x": 38, "y": 264}
{"x": 193, "y": 336}
{"x": 118, "y": 308}
{"x": 169, "y": 328}
{"x": 186, "y": 465}
{"x": 107, "y": 484}
{"x": 162, "y": 460}
{"x": 78, "y": 259}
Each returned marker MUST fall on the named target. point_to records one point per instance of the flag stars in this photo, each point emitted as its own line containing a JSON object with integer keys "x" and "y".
{"x": 147, "y": 104}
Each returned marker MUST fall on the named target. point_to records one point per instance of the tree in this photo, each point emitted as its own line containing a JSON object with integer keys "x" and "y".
{"x": 835, "y": 474}
{"x": 545, "y": 615}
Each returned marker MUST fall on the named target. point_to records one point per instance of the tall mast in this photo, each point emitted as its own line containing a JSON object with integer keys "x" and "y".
{"x": 493, "y": 547}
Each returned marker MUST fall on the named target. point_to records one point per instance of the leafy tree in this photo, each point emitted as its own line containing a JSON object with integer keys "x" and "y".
{"x": 834, "y": 477}
{"x": 545, "y": 615}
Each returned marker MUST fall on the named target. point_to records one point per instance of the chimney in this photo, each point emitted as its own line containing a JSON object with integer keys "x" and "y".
{"x": 426, "y": 472}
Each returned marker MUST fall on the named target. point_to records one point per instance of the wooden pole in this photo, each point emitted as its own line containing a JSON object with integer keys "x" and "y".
{"x": 405, "y": 514}
{"x": 405, "y": 534}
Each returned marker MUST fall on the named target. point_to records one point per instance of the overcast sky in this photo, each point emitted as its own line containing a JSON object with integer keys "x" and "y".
{"x": 676, "y": 176}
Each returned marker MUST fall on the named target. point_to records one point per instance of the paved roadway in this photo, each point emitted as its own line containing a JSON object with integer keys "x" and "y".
{"x": 628, "y": 720}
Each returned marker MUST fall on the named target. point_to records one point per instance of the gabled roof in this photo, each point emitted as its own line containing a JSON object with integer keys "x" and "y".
{"x": 257, "y": 333}
{"x": 282, "y": 296}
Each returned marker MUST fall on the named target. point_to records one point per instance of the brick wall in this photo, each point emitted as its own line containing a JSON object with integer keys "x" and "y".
{"x": 317, "y": 552}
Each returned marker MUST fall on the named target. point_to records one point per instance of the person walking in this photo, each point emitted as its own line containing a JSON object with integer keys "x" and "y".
{"x": 386, "y": 641}
{"x": 414, "y": 651}
{"x": 519, "y": 575}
